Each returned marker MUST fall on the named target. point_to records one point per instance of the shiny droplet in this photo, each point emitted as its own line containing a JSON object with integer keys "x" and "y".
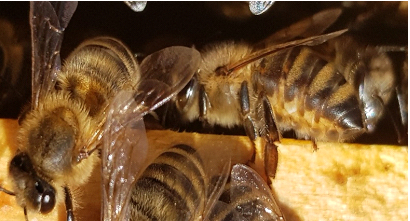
{"x": 137, "y": 6}
{"x": 259, "y": 7}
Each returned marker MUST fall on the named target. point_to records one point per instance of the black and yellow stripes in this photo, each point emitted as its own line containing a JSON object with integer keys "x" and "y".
{"x": 173, "y": 187}
{"x": 310, "y": 95}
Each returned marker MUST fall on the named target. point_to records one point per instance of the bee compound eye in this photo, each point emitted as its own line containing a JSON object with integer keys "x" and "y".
{"x": 20, "y": 163}
{"x": 46, "y": 196}
{"x": 47, "y": 201}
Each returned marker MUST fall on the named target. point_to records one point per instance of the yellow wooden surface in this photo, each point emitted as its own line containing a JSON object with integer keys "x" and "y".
{"x": 343, "y": 182}
{"x": 338, "y": 182}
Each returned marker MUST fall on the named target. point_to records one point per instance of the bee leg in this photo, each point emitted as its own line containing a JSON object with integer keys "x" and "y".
{"x": 314, "y": 145}
{"x": 271, "y": 135}
{"x": 397, "y": 124}
{"x": 203, "y": 105}
{"x": 248, "y": 123}
{"x": 25, "y": 213}
{"x": 399, "y": 115}
{"x": 68, "y": 204}
{"x": 7, "y": 191}
{"x": 403, "y": 105}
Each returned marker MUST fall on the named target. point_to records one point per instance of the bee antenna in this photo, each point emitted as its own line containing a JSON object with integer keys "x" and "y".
{"x": 13, "y": 194}
{"x": 7, "y": 191}
{"x": 25, "y": 213}
{"x": 391, "y": 48}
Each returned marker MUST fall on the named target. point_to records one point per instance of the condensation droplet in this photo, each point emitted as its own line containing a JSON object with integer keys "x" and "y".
{"x": 259, "y": 7}
{"x": 137, "y": 6}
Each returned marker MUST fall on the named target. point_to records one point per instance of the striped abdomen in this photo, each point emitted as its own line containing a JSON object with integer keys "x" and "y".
{"x": 173, "y": 187}
{"x": 309, "y": 95}
{"x": 180, "y": 185}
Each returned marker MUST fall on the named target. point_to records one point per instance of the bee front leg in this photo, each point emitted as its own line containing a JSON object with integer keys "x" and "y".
{"x": 248, "y": 122}
{"x": 68, "y": 204}
{"x": 203, "y": 106}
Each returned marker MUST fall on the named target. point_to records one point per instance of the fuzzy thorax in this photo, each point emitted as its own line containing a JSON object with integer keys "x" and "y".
{"x": 54, "y": 134}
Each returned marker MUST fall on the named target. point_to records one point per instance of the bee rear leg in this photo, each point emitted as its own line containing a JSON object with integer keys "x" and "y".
{"x": 271, "y": 135}
{"x": 268, "y": 133}
{"x": 25, "y": 214}
{"x": 398, "y": 115}
{"x": 69, "y": 204}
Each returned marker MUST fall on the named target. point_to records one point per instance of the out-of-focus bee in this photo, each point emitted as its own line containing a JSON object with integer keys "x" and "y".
{"x": 287, "y": 86}
{"x": 58, "y": 136}
{"x": 13, "y": 84}
{"x": 371, "y": 71}
{"x": 187, "y": 183}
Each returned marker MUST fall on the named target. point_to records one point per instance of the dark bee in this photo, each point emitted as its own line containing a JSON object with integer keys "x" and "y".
{"x": 288, "y": 86}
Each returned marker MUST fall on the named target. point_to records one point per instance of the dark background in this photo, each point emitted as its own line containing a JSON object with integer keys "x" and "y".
{"x": 163, "y": 24}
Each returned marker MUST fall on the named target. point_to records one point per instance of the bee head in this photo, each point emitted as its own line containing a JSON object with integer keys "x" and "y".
{"x": 31, "y": 191}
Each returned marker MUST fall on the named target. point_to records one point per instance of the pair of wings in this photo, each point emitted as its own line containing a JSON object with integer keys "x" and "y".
{"x": 165, "y": 73}
{"x": 162, "y": 75}
{"x": 250, "y": 198}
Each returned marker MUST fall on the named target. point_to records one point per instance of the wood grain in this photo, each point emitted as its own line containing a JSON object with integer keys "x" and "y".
{"x": 337, "y": 182}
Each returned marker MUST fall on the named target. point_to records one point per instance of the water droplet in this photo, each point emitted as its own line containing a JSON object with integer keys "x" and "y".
{"x": 259, "y": 7}
{"x": 136, "y": 6}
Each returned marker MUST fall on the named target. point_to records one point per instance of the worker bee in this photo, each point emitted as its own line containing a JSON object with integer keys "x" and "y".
{"x": 282, "y": 87}
{"x": 187, "y": 183}
{"x": 12, "y": 58}
{"x": 60, "y": 133}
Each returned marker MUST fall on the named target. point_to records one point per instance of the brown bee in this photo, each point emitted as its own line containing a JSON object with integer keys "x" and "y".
{"x": 286, "y": 86}
{"x": 64, "y": 126}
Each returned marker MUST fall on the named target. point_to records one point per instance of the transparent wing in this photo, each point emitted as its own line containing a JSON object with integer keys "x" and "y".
{"x": 217, "y": 185}
{"x": 311, "y": 26}
{"x": 260, "y": 205}
{"x": 124, "y": 149}
{"x": 48, "y": 21}
{"x": 165, "y": 73}
{"x": 246, "y": 197}
{"x": 311, "y": 41}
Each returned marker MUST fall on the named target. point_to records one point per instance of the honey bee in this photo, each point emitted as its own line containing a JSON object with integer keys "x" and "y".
{"x": 187, "y": 183}
{"x": 282, "y": 87}
{"x": 66, "y": 123}
{"x": 12, "y": 57}
{"x": 371, "y": 71}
